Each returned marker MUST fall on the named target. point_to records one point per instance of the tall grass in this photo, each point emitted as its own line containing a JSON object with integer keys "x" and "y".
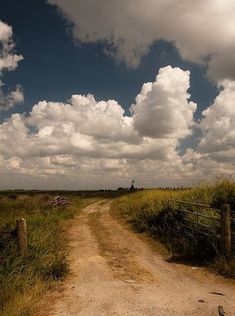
{"x": 24, "y": 279}
{"x": 139, "y": 207}
{"x": 148, "y": 211}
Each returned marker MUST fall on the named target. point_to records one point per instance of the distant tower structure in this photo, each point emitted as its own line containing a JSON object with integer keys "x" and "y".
{"x": 132, "y": 188}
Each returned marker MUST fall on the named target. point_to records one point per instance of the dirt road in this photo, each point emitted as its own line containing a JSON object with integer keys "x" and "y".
{"x": 114, "y": 272}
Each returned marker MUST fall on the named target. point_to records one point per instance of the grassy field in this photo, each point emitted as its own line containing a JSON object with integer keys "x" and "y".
{"x": 24, "y": 279}
{"x": 148, "y": 211}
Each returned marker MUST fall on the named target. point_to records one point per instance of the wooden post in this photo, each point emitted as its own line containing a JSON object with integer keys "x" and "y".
{"x": 22, "y": 236}
{"x": 225, "y": 230}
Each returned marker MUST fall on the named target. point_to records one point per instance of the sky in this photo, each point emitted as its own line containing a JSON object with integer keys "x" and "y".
{"x": 95, "y": 93}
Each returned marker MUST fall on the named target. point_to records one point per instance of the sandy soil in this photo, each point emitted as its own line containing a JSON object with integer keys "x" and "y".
{"x": 115, "y": 272}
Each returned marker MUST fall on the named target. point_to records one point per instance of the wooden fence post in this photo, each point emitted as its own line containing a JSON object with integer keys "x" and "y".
{"x": 225, "y": 230}
{"x": 22, "y": 236}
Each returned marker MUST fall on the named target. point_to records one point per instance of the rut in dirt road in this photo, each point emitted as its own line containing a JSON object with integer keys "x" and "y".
{"x": 114, "y": 272}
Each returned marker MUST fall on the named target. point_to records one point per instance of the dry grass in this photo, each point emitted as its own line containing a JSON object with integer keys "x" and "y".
{"x": 154, "y": 243}
{"x": 147, "y": 211}
{"x": 25, "y": 279}
{"x": 119, "y": 258}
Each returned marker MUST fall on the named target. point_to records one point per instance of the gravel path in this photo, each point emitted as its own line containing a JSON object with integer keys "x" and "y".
{"x": 115, "y": 272}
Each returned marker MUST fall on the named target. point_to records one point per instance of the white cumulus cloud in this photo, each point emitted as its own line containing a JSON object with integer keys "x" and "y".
{"x": 8, "y": 61}
{"x": 94, "y": 141}
{"x": 218, "y": 125}
{"x": 162, "y": 108}
{"x": 85, "y": 143}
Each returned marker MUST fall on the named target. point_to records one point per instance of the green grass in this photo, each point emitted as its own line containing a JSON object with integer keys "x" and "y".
{"x": 24, "y": 279}
{"x": 148, "y": 211}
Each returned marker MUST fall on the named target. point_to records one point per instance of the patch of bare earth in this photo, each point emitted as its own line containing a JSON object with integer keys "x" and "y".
{"x": 115, "y": 272}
